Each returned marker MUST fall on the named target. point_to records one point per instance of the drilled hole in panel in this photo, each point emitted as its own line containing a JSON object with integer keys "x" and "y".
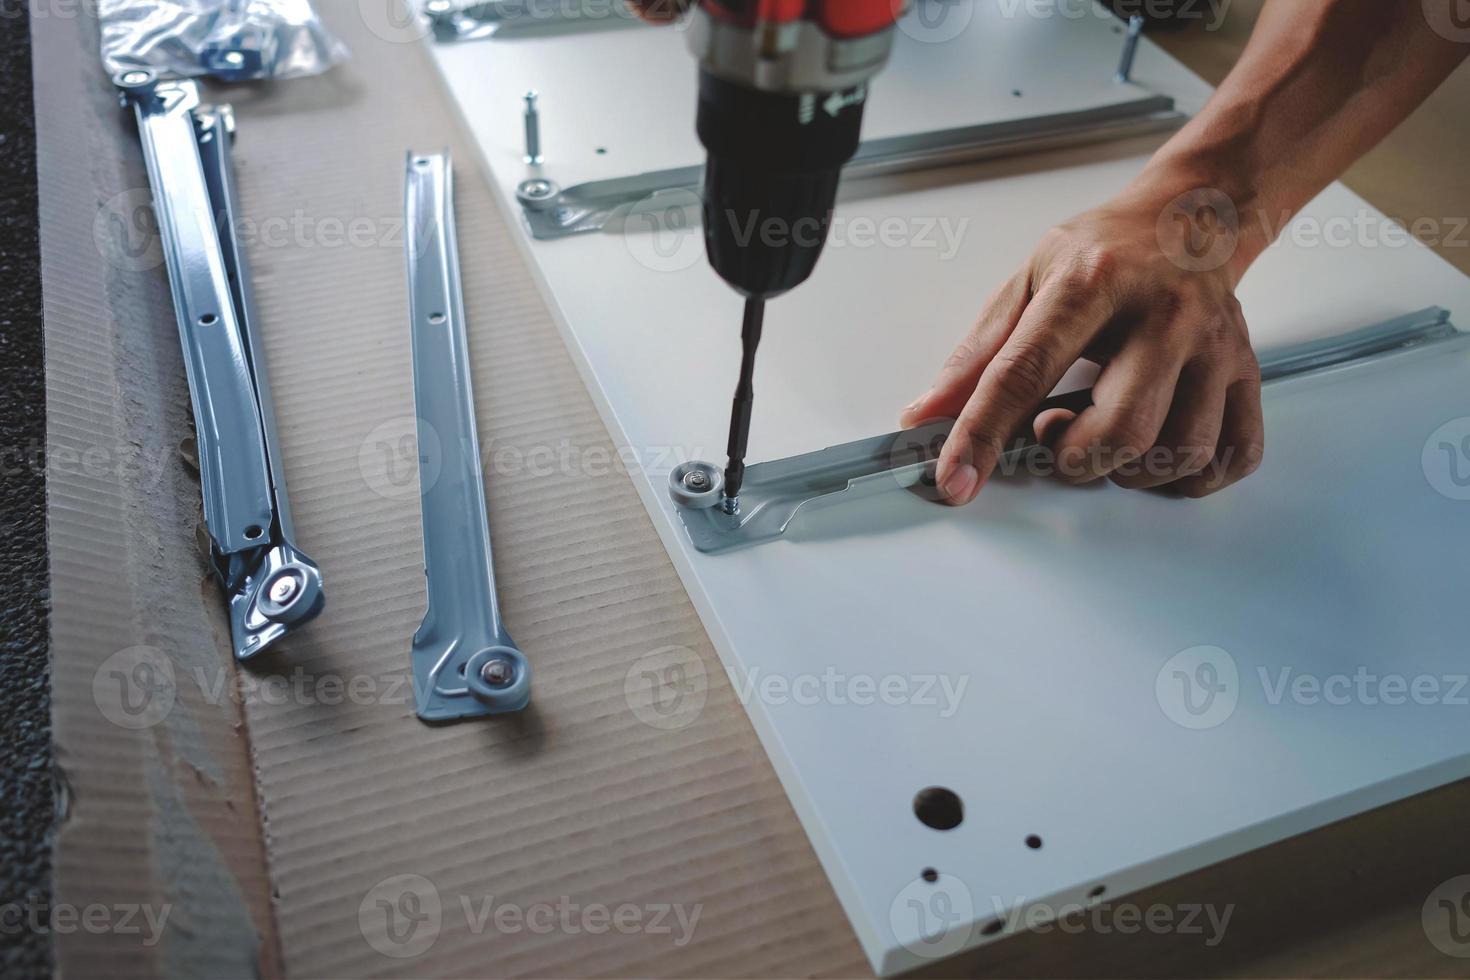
{"x": 992, "y": 927}
{"x": 207, "y": 319}
{"x": 929, "y": 875}
{"x": 254, "y": 531}
{"x": 436, "y": 318}
{"x": 939, "y": 808}
{"x": 1097, "y": 892}
{"x": 1033, "y": 842}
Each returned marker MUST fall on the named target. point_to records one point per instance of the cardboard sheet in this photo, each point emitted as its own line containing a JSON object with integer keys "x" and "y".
{"x": 261, "y": 818}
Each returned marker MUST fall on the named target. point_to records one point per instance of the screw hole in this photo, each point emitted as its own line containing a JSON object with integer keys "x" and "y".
{"x": 207, "y": 319}
{"x": 254, "y": 531}
{"x": 601, "y": 150}
{"x": 436, "y": 318}
{"x": 929, "y": 875}
{"x": 939, "y": 808}
{"x": 1016, "y": 92}
{"x": 992, "y": 927}
{"x": 463, "y": 667}
{"x": 1097, "y": 892}
{"x": 421, "y": 162}
{"x": 1033, "y": 842}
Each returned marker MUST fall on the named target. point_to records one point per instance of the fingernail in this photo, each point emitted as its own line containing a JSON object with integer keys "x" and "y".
{"x": 961, "y": 483}
{"x": 910, "y": 413}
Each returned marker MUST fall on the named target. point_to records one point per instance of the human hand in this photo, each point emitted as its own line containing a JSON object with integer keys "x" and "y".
{"x": 1178, "y": 400}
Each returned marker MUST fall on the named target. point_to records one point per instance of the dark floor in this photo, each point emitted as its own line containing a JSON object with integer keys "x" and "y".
{"x": 25, "y": 677}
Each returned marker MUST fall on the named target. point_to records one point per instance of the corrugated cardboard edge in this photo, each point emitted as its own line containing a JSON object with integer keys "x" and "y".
{"x": 159, "y": 840}
{"x": 590, "y": 801}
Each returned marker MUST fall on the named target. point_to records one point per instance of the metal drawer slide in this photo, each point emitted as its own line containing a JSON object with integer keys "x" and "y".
{"x": 271, "y": 585}
{"x": 774, "y": 492}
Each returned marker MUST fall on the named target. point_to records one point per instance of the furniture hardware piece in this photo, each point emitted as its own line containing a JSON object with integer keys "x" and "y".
{"x": 775, "y": 492}
{"x": 1130, "y": 48}
{"x": 593, "y": 205}
{"x": 464, "y": 662}
{"x": 270, "y": 583}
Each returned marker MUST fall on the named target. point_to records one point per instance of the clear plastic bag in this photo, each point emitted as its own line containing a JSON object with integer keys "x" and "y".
{"x": 229, "y": 39}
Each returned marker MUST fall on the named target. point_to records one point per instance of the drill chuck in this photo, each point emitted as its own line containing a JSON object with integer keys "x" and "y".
{"x": 770, "y": 180}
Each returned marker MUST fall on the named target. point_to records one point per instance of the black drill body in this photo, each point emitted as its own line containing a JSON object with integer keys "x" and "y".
{"x": 770, "y": 184}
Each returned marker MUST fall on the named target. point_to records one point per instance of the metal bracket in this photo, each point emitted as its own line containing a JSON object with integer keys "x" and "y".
{"x": 464, "y": 661}
{"x": 551, "y": 211}
{"x": 775, "y": 492}
{"x": 270, "y": 583}
{"x": 453, "y": 21}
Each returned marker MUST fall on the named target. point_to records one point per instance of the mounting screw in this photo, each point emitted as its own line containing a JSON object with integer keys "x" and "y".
{"x": 1130, "y": 48}
{"x": 533, "y": 130}
{"x": 538, "y": 193}
{"x": 498, "y": 673}
{"x": 135, "y": 76}
{"x": 290, "y": 594}
{"x": 696, "y": 484}
{"x": 284, "y": 589}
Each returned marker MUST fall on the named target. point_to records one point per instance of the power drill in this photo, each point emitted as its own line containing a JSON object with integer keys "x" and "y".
{"x": 782, "y": 86}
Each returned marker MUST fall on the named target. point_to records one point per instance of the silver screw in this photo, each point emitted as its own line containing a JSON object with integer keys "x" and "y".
{"x": 437, "y": 7}
{"x": 536, "y": 188}
{"x": 1130, "y": 48}
{"x": 697, "y": 480}
{"x": 283, "y": 589}
{"x": 730, "y": 505}
{"x": 533, "y": 130}
{"x": 134, "y": 77}
{"x": 498, "y": 673}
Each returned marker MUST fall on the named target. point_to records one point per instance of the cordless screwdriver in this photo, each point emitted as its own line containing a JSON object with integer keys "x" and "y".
{"x": 782, "y": 87}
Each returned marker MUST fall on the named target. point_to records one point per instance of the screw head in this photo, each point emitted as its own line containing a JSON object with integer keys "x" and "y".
{"x": 135, "y": 76}
{"x": 437, "y": 6}
{"x": 696, "y": 480}
{"x": 498, "y": 673}
{"x": 284, "y": 589}
{"x": 537, "y": 188}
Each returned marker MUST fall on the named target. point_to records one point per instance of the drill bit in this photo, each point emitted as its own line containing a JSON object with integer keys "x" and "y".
{"x": 750, "y": 337}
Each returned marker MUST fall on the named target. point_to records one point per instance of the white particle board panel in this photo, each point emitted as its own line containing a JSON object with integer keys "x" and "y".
{"x": 1060, "y": 611}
